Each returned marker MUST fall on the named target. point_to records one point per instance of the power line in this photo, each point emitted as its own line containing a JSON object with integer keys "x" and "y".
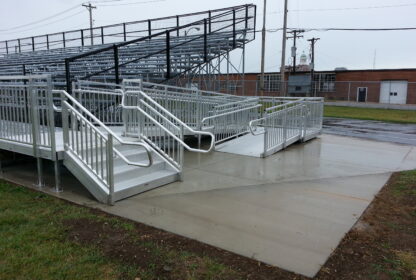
{"x": 342, "y": 29}
{"x": 361, "y": 29}
{"x": 37, "y": 27}
{"x": 132, "y": 3}
{"x": 41, "y": 20}
{"x": 347, "y": 8}
{"x": 355, "y": 8}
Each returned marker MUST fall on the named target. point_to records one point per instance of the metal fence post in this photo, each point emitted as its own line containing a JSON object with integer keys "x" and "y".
{"x": 181, "y": 155}
{"x": 349, "y": 90}
{"x": 265, "y": 140}
{"x": 34, "y": 107}
{"x": 110, "y": 169}
{"x": 284, "y": 129}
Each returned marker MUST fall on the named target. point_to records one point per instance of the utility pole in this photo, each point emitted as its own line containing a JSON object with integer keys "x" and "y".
{"x": 313, "y": 42}
{"x": 89, "y": 8}
{"x": 263, "y": 50}
{"x": 294, "y": 37}
{"x": 282, "y": 66}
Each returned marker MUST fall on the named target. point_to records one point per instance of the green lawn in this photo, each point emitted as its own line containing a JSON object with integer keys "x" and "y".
{"x": 386, "y": 115}
{"x": 37, "y": 243}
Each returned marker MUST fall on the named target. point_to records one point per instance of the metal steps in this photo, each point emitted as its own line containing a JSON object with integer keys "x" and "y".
{"x": 128, "y": 180}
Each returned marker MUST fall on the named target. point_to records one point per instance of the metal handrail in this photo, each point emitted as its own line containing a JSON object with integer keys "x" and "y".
{"x": 281, "y": 106}
{"x": 182, "y": 124}
{"x": 229, "y": 113}
{"x": 109, "y": 131}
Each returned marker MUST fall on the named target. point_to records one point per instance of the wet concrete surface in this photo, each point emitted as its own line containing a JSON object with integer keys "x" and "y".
{"x": 289, "y": 210}
{"x": 380, "y": 131}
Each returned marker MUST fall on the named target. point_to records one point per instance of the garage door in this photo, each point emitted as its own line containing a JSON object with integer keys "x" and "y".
{"x": 393, "y": 92}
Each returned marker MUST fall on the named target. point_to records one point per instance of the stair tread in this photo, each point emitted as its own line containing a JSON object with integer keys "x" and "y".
{"x": 155, "y": 175}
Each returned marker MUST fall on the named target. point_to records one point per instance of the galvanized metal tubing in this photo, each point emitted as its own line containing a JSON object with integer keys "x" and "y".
{"x": 292, "y": 120}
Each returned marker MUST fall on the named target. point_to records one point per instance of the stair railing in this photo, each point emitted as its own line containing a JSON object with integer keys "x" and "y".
{"x": 160, "y": 128}
{"x": 91, "y": 142}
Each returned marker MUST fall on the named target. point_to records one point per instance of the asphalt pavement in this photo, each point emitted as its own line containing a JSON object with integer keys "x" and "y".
{"x": 375, "y": 130}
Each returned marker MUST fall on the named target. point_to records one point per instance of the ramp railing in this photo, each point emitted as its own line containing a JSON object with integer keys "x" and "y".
{"x": 188, "y": 105}
{"x": 314, "y": 117}
{"x": 231, "y": 120}
{"x": 159, "y": 128}
{"x": 27, "y": 117}
{"x": 289, "y": 122}
{"x": 101, "y": 99}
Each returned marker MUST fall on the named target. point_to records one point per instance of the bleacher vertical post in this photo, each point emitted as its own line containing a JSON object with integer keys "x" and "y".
{"x": 102, "y": 35}
{"x": 246, "y": 25}
{"x": 63, "y": 40}
{"x": 33, "y": 44}
{"x": 255, "y": 22}
{"x": 116, "y": 64}
{"x": 82, "y": 37}
{"x": 209, "y": 18}
{"x": 205, "y": 41}
{"x": 149, "y": 27}
{"x": 177, "y": 26}
{"x": 47, "y": 42}
{"x": 168, "y": 74}
{"x": 68, "y": 75}
{"x": 7, "y": 48}
{"x": 124, "y": 32}
{"x": 234, "y": 31}
{"x": 19, "y": 47}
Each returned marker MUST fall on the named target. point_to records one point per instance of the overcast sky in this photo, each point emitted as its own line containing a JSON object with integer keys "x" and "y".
{"x": 354, "y": 50}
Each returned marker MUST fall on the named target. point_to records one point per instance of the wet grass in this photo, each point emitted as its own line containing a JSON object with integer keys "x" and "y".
{"x": 385, "y": 115}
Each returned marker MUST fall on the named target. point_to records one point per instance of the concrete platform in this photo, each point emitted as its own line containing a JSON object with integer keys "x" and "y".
{"x": 289, "y": 210}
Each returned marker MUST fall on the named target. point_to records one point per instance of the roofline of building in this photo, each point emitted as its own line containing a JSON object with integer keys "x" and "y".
{"x": 338, "y": 71}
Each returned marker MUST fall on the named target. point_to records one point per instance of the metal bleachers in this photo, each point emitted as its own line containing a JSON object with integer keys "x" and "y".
{"x": 157, "y": 54}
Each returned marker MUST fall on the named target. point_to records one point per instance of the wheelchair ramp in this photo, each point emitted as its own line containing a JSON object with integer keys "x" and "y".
{"x": 280, "y": 127}
{"x": 253, "y": 145}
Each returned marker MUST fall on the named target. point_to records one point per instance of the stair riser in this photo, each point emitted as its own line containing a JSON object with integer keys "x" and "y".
{"x": 145, "y": 187}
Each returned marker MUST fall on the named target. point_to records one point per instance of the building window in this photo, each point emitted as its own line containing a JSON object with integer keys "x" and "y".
{"x": 324, "y": 82}
{"x": 271, "y": 82}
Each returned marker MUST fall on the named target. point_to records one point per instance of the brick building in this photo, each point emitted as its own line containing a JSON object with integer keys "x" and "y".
{"x": 395, "y": 86}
